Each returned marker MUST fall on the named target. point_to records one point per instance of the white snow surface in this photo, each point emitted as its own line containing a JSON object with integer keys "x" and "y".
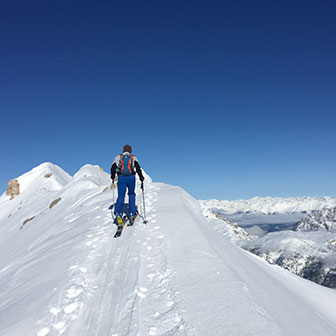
{"x": 63, "y": 273}
{"x": 270, "y": 205}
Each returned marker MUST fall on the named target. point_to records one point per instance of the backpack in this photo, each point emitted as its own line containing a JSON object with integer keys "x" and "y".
{"x": 126, "y": 164}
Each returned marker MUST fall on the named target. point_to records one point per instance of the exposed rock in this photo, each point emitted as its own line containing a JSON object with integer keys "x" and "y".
{"x": 13, "y": 188}
{"x": 48, "y": 175}
{"x": 310, "y": 255}
{"x": 225, "y": 226}
{"x": 106, "y": 189}
{"x": 332, "y": 242}
{"x": 308, "y": 267}
{"x": 324, "y": 220}
{"x": 53, "y": 203}
{"x": 26, "y": 221}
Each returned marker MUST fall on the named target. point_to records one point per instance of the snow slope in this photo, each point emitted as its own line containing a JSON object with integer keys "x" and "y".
{"x": 63, "y": 273}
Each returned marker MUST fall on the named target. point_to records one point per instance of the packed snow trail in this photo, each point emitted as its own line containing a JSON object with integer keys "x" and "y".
{"x": 64, "y": 274}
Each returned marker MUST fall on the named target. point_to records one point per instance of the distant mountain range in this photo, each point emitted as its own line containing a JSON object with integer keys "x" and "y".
{"x": 270, "y": 205}
{"x": 308, "y": 251}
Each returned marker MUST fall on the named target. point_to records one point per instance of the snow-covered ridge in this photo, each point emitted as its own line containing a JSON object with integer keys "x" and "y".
{"x": 48, "y": 177}
{"x": 47, "y": 182}
{"x": 270, "y": 205}
{"x": 63, "y": 273}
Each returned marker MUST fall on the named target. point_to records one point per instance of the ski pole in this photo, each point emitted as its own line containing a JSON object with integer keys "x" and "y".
{"x": 113, "y": 197}
{"x": 113, "y": 200}
{"x": 143, "y": 198}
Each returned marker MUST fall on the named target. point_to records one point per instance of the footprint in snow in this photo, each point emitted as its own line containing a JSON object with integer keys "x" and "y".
{"x": 55, "y": 311}
{"x": 69, "y": 309}
{"x": 60, "y": 327}
{"x": 141, "y": 292}
{"x": 151, "y": 276}
{"x": 73, "y": 292}
{"x": 152, "y": 331}
{"x": 43, "y": 332}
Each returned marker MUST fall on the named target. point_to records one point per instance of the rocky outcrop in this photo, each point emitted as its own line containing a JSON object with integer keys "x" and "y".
{"x": 310, "y": 254}
{"x": 13, "y": 188}
{"x": 324, "y": 220}
{"x": 26, "y": 221}
{"x": 225, "y": 226}
{"x": 311, "y": 267}
{"x": 53, "y": 203}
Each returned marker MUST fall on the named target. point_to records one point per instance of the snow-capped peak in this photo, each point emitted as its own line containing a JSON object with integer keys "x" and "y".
{"x": 46, "y": 176}
{"x": 92, "y": 174}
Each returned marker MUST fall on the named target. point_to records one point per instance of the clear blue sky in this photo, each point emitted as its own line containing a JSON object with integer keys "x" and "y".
{"x": 228, "y": 99}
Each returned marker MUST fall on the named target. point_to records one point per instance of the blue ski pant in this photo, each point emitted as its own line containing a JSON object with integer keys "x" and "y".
{"x": 126, "y": 182}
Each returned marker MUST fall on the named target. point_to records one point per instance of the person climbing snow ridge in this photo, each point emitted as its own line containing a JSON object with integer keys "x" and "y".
{"x": 126, "y": 166}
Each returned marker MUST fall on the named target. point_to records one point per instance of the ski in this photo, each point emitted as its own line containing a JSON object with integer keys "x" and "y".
{"x": 121, "y": 227}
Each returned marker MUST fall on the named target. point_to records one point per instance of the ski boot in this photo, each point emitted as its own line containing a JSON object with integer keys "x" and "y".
{"x": 132, "y": 218}
{"x": 120, "y": 220}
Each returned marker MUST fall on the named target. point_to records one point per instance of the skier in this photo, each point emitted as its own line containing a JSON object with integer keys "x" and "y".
{"x": 124, "y": 165}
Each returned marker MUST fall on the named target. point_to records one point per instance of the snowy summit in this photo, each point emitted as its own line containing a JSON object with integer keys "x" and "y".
{"x": 63, "y": 273}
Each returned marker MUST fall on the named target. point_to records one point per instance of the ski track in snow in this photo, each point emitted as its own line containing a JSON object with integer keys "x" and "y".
{"x": 126, "y": 302}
